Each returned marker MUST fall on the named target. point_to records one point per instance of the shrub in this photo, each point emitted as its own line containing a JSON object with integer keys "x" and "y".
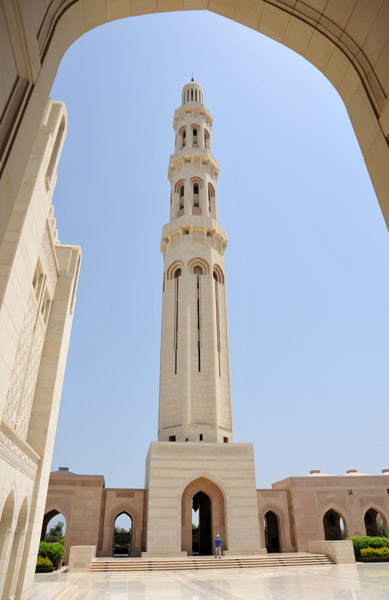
{"x": 44, "y": 565}
{"x": 43, "y": 561}
{"x": 52, "y": 551}
{"x": 375, "y": 552}
{"x": 364, "y": 541}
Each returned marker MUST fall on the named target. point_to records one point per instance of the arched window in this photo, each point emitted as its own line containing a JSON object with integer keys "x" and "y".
{"x": 184, "y": 138}
{"x": 218, "y": 274}
{"x": 182, "y": 191}
{"x": 199, "y": 266}
{"x": 191, "y": 95}
{"x": 175, "y": 270}
{"x": 211, "y": 194}
{"x": 196, "y": 194}
{"x": 206, "y": 139}
{"x": 195, "y": 144}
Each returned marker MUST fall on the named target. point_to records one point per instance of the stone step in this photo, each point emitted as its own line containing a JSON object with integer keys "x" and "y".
{"x": 112, "y": 565}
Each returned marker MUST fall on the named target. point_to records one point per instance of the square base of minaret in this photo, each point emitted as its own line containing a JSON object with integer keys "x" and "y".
{"x": 222, "y": 476}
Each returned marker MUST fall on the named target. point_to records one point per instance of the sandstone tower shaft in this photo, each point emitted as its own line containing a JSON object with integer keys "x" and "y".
{"x": 195, "y": 391}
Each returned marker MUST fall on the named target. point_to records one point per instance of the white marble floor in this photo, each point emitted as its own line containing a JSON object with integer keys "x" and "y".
{"x": 335, "y": 582}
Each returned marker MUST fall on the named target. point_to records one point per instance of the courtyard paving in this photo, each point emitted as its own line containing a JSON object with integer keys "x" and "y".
{"x": 335, "y": 582}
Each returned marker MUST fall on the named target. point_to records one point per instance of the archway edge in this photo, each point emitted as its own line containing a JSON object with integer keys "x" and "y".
{"x": 346, "y": 44}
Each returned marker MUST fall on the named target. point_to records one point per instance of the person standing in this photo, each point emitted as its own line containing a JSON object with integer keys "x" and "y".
{"x": 218, "y": 547}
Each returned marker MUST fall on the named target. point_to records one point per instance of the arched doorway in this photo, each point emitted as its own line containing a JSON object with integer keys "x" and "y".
{"x": 334, "y": 526}
{"x": 122, "y": 535}
{"x": 202, "y": 536}
{"x": 374, "y": 523}
{"x": 202, "y": 505}
{"x": 16, "y": 554}
{"x": 272, "y": 536}
{"x": 53, "y": 528}
{"x": 5, "y": 534}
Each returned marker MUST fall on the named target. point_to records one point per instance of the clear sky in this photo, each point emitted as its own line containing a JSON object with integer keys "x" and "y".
{"x": 306, "y": 266}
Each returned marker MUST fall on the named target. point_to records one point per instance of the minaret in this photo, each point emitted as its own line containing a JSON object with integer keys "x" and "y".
{"x": 195, "y": 390}
{"x": 199, "y": 471}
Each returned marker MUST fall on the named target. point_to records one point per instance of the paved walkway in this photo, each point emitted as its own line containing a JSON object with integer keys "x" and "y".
{"x": 335, "y": 582}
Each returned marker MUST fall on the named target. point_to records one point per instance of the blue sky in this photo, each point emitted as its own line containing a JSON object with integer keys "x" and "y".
{"x": 306, "y": 267}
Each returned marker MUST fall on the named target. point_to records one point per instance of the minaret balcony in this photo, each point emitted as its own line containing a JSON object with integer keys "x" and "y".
{"x": 186, "y": 155}
{"x": 185, "y": 223}
{"x": 195, "y": 108}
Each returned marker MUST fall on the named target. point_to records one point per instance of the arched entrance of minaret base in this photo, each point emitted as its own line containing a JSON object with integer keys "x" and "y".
{"x": 218, "y": 520}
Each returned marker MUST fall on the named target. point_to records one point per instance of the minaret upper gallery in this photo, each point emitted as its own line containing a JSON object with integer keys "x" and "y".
{"x": 195, "y": 390}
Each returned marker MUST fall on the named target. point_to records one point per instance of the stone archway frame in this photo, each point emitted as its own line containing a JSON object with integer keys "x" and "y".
{"x": 218, "y": 508}
{"x": 341, "y": 513}
{"x": 346, "y": 45}
{"x": 56, "y": 507}
{"x": 136, "y": 531}
{"x": 283, "y": 529}
{"x": 380, "y": 511}
{"x": 14, "y": 579}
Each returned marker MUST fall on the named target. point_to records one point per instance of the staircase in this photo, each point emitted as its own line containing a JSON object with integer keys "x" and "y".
{"x": 104, "y": 565}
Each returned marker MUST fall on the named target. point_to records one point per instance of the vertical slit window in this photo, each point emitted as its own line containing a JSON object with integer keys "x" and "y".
{"x": 176, "y": 280}
{"x": 198, "y": 325}
{"x": 196, "y": 199}
{"x": 191, "y": 95}
{"x": 217, "y": 324}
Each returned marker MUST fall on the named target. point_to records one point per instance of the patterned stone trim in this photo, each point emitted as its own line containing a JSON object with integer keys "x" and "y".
{"x": 17, "y": 454}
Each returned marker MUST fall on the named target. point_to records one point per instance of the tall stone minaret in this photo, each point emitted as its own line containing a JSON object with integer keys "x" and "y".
{"x": 195, "y": 391}
{"x": 199, "y": 471}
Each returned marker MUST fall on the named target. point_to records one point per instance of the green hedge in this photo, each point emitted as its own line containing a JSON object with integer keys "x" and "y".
{"x": 364, "y": 541}
{"x": 52, "y": 551}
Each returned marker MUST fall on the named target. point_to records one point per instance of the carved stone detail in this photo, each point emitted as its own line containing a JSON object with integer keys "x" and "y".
{"x": 14, "y": 454}
{"x": 20, "y": 364}
{"x": 47, "y": 256}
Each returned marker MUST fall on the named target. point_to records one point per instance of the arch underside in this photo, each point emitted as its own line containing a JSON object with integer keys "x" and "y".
{"x": 347, "y": 42}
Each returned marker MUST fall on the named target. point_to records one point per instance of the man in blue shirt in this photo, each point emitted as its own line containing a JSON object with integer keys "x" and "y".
{"x": 218, "y": 544}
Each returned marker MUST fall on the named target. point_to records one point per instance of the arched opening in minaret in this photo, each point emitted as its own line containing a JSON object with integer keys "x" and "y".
{"x": 206, "y": 139}
{"x": 272, "y": 535}
{"x": 202, "y": 534}
{"x": 195, "y": 142}
{"x": 202, "y": 517}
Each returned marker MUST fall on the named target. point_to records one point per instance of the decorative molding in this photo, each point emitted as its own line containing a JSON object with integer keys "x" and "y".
{"x": 17, "y": 454}
{"x": 49, "y": 258}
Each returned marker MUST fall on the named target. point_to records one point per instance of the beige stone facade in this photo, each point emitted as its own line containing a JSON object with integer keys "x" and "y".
{"x": 299, "y": 505}
{"x": 36, "y": 312}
